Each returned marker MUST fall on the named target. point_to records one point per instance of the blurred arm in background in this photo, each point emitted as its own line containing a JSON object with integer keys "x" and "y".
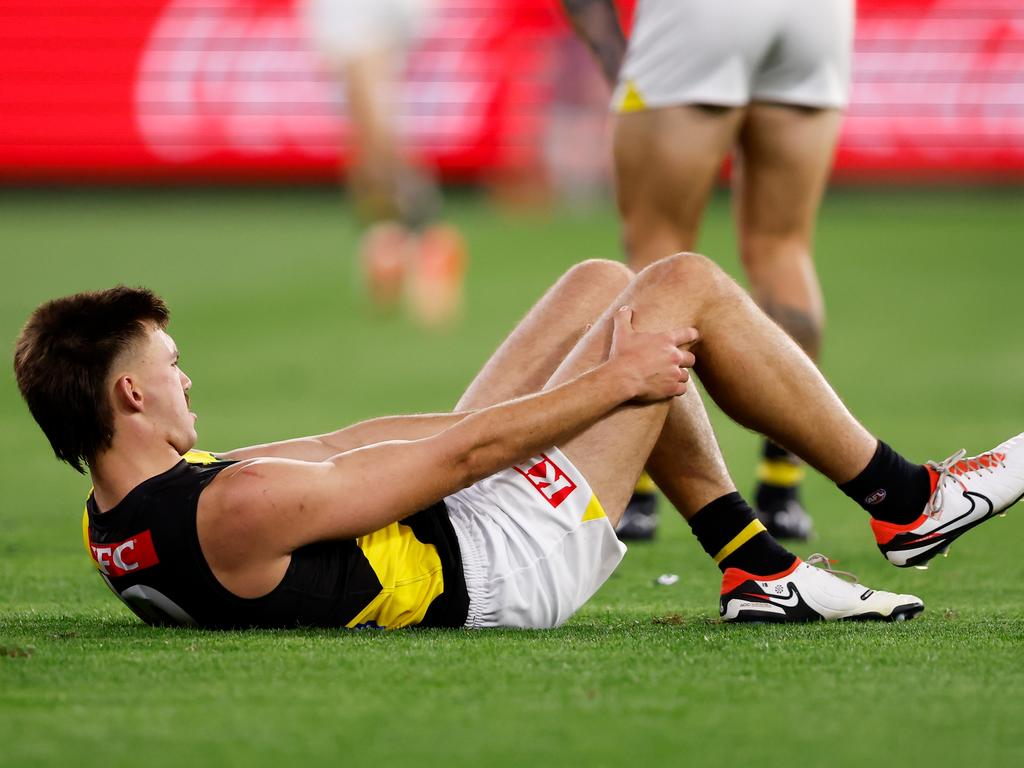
{"x": 597, "y": 24}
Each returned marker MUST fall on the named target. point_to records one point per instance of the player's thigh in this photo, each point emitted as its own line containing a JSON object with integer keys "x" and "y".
{"x": 784, "y": 157}
{"x": 540, "y": 341}
{"x": 666, "y": 162}
{"x": 612, "y": 453}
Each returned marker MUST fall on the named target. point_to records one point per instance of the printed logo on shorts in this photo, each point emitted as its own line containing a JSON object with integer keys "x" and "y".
{"x": 548, "y": 478}
{"x": 121, "y": 558}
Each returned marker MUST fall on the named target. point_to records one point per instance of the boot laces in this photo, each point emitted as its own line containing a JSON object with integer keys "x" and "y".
{"x": 956, "y": 466}
{"x": 818, "y": 559}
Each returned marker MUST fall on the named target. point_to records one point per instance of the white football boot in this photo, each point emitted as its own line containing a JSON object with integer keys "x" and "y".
{"x": 805, "y": 593}
{"x": 965, "y": 492}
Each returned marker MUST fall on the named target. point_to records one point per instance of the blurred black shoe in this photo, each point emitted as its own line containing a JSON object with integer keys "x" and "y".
{"x": 782, "y": 513}
{"x": 640, "y": 520}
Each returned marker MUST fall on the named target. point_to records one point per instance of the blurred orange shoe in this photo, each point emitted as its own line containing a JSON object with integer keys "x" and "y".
{"x": 383, "y": 261}
{"x": 434, "y": 291}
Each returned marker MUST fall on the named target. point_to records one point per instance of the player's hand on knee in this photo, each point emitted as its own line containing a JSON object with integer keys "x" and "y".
{"x": 654, "y": 365}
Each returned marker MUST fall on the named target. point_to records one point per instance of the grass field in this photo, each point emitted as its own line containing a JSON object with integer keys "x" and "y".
{"x": 924, "y": 343}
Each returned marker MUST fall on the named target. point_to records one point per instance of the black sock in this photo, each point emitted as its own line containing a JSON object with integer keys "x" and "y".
{"x": 721, "y": 523}
{"x": 890, "y": 488}
{"x": 778, "y": 478}
{"x": 775, "y": 452}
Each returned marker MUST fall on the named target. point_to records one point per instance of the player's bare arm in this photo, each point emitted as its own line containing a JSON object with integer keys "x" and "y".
{"x": 598, "y": 26}
{"x": 364, "y": 433}
{"x": 369, "y": 432}
{"x": 255, "y": 514}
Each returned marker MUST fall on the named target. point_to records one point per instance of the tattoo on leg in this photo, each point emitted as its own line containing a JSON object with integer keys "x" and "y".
{"x": 799, "y": 324}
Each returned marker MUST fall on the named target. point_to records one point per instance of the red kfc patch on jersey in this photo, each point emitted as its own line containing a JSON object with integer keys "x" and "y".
{"x": 121, "y": 558}
{"x": 548, "y": 478}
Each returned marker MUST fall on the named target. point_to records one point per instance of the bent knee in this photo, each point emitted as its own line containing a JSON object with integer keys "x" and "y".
{"x": 685, "y": 267}
{"x": 601, "y": 272}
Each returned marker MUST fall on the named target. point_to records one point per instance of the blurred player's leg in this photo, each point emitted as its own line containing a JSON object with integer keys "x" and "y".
{"x": 783, "y": 160}
{"x": 402, "y": 247}
{"x": 402, "y": 250}
{"x": 666, "y": 163}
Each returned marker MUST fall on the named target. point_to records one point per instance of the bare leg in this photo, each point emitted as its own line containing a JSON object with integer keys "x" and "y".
{"x": 756, "y": 373}
{"x": 783, "y": 163}
{"x": 370, "y": 88}
{"x": 540, "y": 341}
{"x": 689, "y": 467}
{"x": 387, "y": 186}
{"x": 666, "y": 162}
{"x": 686, "y": 462}
{"x": 783, "y": 159}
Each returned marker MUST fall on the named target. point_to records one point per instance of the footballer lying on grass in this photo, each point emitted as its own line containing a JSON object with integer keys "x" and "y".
{"x": 475, "y": 518}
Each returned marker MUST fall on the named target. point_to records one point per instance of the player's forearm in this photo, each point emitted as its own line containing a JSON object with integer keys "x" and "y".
{"x": 410, "y": 427}
{"x": 596, "y": 23}
{"x": 505, "y": 434}
{"x": 323, "y": 447}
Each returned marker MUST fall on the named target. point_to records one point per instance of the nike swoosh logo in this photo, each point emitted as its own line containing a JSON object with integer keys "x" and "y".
{"x": 867, "y": 593}
{"x": 789, "y": 601}
{"x": 970, "y": 496}
{"x": 908, "y": 546}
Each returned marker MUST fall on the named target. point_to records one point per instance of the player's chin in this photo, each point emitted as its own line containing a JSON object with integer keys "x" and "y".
{"x": 186, "y": 441}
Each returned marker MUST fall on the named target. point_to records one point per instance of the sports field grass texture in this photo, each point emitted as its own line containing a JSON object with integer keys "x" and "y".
{"x": 924, "y": 342}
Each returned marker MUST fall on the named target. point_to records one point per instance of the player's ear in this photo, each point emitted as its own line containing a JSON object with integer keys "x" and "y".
{"x": 127, "y": 395}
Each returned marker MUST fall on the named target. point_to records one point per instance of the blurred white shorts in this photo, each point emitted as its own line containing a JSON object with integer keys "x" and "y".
{"x": 731, "y": 52}
{"x": 344, "y": 29}
{"x": 535, "y": 542}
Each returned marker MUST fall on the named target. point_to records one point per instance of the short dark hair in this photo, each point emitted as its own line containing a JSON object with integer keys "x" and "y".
{"x": 63, "y": 357}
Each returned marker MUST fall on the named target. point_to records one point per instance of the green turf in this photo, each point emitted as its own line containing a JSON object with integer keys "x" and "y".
{"x": 923, "y": 342}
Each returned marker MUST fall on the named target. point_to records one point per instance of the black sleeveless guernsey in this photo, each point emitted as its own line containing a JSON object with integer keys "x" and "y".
{"x": 147, "y": 550}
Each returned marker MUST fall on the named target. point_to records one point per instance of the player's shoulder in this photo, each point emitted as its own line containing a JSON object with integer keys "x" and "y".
{"x": 252, "y": 504}
{"x": 250, "y": 485}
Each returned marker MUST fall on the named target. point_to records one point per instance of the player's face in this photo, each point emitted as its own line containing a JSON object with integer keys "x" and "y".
{"x": 165, "y": 389}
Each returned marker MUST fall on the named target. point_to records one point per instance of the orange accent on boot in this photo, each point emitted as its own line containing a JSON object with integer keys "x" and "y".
{"x": 733, "y": 577}
{"x": 886, "y": 532}
{"x": 985, "y": 461}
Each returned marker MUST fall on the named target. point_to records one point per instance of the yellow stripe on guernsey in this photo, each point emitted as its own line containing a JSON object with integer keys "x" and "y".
{"x": 192, "y": 457}
{"x": 200, "y": 457}
{"x": 630, "y": 100}
{"x": 410, "y": 576}
{"x": 85, "y": 534}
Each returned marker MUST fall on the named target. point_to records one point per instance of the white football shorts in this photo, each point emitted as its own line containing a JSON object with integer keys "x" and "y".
{"x": 343, "y": 29}
{"x": 732, "y": 52}
{"x": 535, "y": 542}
